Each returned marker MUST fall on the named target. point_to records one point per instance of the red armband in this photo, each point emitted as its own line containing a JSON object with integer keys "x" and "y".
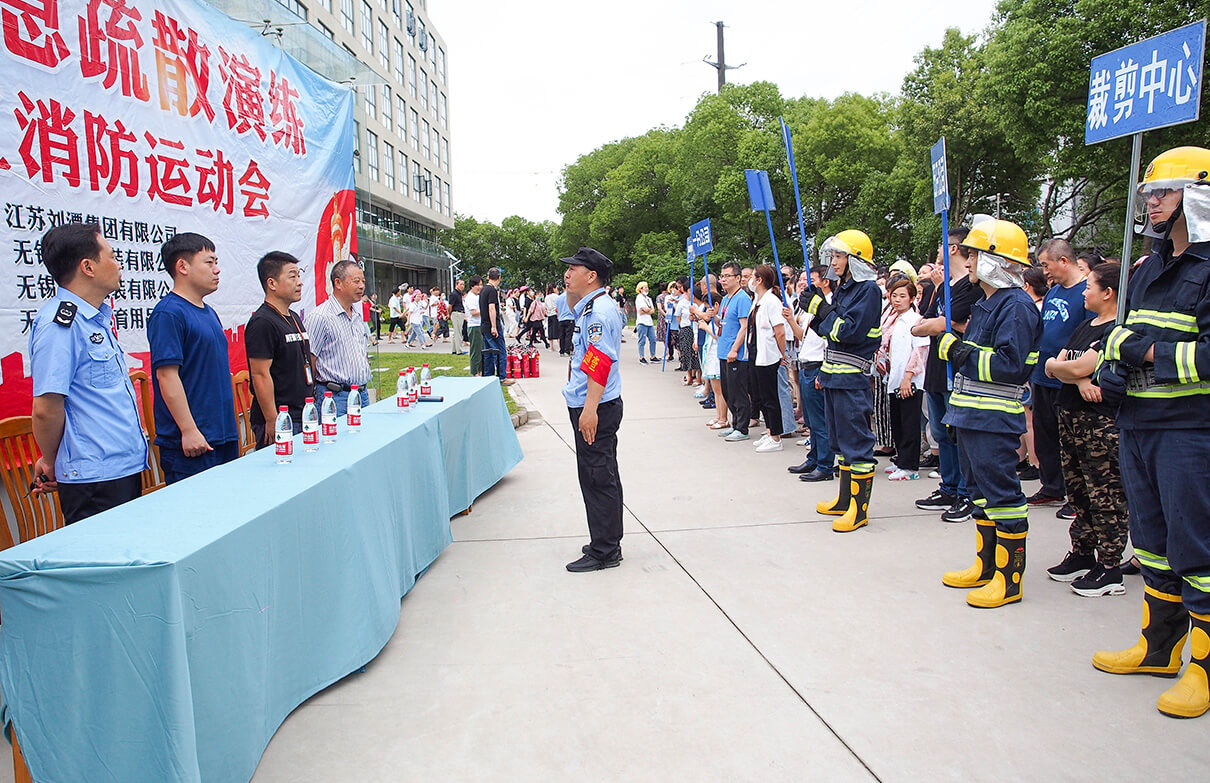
{"x": 596, "y": 365}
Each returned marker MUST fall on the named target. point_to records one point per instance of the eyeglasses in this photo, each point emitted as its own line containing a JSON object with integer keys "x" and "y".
{"x": 728, "y": 274}
{"x": 1157, "y": 193}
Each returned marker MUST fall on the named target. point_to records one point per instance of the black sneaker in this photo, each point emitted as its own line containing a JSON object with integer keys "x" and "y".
{"x": 1040, "y": 498}
{"x": 962, "y": 510}
{"x": 1073, "y": 567}
{"x": 1067, "y": 512}
{"x": 1028, "y": 473}
{"x": 930, "y": 460}
{"x": 642, "y": 360}
{"x": 938, "y": 501}
{"x": 1099, "y": 581}
{"x": 1130, "y": 567}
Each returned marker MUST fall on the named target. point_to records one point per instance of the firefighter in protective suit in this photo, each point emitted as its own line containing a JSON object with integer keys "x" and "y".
{"x": 992, "y": 362}
{"x": 1160, "y": 358}
{"x": 851, "y": 324}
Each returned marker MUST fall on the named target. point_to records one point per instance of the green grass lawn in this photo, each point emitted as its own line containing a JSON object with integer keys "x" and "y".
{"x": 386, "y": 367}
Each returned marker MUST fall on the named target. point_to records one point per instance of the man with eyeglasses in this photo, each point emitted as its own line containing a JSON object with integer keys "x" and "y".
{"x": 735, "y": 369}
{"x": 1158, "y": 363}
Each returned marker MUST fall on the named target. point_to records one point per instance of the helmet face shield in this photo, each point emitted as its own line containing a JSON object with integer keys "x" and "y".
{"x": 1155, "y": 192}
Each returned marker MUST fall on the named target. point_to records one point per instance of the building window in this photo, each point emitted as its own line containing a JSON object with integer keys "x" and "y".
{"x": 441, "y": 110}
{"x": 295, "y": 6}
{"x": 417, "y": 182}
{"x": 415, "y": 129}
{"x": 403, "y": 173}
{"x": 422, "y": 38}
{"x": 441, "y": 63}
{"x": 367, "y": 26}
{"x": 403, "y": 118}
{"x": 397, "y": 13}
{"x": 424, "y": 91}
{"x": 356, "y": 147}
{"x": 388, "y": 160}
{"x": 398, "y": 62}
{"x": 382, "y": 6}
{"x": 424, "y": 139}
{"x": 437, "y": 193}
{"x": 372, "y": 154}
{"x": 387, "y": 120}
{"x": 326, "y": 5}
{"x": 412, "y": 75}
{"x": 409, "y": 20}
{"x": 327, "y": 31}
{"x": 428, "y": 188}
{"x": 445, "y": 154}
{"x": 436, "y": 146}
{"x": 384, "y": 51}
{"x": 448, "y": 207}
{"x": 432, "y": 49}
{"x": 346, "y": 15}
{"x": 433, "y": 97}
{"x": 371, "y": 96}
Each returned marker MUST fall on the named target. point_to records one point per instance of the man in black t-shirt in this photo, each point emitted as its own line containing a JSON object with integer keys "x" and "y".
{"x": 495, "y": 356}
{"x": 279, "y": 356}
{"x": 457, "y": 318}
{"x": 952, "y": 497}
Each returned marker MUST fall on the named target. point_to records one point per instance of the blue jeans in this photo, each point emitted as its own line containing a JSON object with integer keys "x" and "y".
{"x": 177, "y": 466}
{"x": 786, "y": 400}
{"x": 646, "y": 332}
{"x": 495, "y": 355}
{"x": 952, "y": 482}
{"x": 342, "y": 398}
{"x": 812, "y": 413}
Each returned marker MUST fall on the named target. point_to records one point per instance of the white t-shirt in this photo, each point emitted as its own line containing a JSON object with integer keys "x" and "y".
{"x": 395, "y": 304}
{"x": 682, "y": 311}
{"x": 640, "y": 301}
{"x": 433, "y": 303}
{"x": 811, "y": 347}
{"x": 416, "y": 310}
{"x": 552, "y": 303}
{"x": 471, "y": 303}
{"x": 767, "y": 317}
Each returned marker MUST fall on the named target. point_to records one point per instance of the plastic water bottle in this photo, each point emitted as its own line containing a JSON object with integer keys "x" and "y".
{"x": 403, "y": 396}
{"x": 353, "y": 419}
{"x": 310, "y": 426}
{"x": 426, "y": 381}
{"x": 283, "y": 440}
{"x": 414, "y": 383}
{"x": 327, "y": 418}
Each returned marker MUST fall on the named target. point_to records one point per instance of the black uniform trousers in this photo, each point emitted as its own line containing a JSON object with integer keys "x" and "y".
{"x": 989, "y": 464}
{"x": 737, "y": 386}
{"x": 600, "y": 484}
{"x": 1046, "y": 440}
{"x": 80, "y": 501}
{"x": 848, "y": 413}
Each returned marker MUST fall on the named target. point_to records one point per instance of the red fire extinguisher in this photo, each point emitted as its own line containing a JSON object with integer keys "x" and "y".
{"x": 513, "y": 370}
{"x": 533, "y": 366}
{"x": 524, "y": 365}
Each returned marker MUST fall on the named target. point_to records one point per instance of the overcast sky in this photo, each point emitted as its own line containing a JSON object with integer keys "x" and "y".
{"x": 534, "y": 84}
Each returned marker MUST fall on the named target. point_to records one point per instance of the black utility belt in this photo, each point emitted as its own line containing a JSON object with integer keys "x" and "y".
{"x": 332, "y": 386}
{"x": 1140, "y": 379}
{"x": 852, "y": 360}
{"x": 999, "y": 391}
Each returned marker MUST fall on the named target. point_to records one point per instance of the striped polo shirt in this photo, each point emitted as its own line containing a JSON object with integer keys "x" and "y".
{"x": 338, "y": 341}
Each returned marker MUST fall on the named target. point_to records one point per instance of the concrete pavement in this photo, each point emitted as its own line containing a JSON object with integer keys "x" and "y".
{"x": 740, "y": 640}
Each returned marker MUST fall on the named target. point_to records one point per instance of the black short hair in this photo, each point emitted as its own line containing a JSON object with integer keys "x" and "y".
{"x": 1035, "y": 278}
{"x": 731, "y": 267}
{"x": 183, "y": 245}
{"x": 474, "y": 281}
{"x": 64, "y": 246}
{"x": 270, "y": 266}
{"x": 340, "y": 270}
{"x": 493, "y": 274}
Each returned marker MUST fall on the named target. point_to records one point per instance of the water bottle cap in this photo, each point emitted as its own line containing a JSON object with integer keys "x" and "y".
{"x": 327, "y": 394}
{"x": 309, "y": 399}
{"x": 401, "y": 372}
{"x": 282, "y": 409}
{"x": 353, "y": 388}
{"x": 426, "y": 364}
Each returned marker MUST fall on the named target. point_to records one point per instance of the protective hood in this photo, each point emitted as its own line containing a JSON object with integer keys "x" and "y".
{"x": 861, "y": 270}
{"x": 999, "y": 272}
{"x": 1197, "y": 211}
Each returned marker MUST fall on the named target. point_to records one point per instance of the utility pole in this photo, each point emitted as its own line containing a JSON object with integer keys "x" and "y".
{"x": 721, "y": 66}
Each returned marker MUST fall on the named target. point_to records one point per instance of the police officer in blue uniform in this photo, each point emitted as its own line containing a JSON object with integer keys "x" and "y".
{"x": 85, "y": 413}
{"x": 1160, "y": 359}
{"x": 852, "y": 326}
{"x": 594, "y": 402}
{"x": 992, "y": 362}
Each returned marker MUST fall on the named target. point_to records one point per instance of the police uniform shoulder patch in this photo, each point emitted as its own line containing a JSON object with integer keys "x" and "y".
{"x": 96, "y": 338}
{"x": 66, "y": 313}
{"x": 595, "y": 332}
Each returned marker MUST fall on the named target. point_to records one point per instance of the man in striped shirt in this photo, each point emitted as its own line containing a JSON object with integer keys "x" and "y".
{"x": 338, "y": 344}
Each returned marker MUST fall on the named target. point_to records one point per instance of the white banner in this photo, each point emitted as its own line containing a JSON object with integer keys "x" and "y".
{"x": 151, "y": 119}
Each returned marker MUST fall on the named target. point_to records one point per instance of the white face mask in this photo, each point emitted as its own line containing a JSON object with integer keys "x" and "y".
{"x": 752, "y": 284}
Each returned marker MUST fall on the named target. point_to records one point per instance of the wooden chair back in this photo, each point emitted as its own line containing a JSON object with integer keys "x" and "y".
{"x": 36, "y": 514}
{"x": 241, "y": 386}
{"x": 153, "y": 476}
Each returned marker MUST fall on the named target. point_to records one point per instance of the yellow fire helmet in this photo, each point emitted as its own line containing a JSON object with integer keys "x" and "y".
{"x": 855, "y": 243}
{"x": 1176, "y": 168}
{"x": 999, "y": 237}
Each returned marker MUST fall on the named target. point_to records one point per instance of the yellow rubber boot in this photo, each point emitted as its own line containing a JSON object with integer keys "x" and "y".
{"x": 858, "y": 515}
{"x": 1005, "y": 585}
{"x": 1190, "y": 697}
{"x": 985, "y": 564}
{"x": 1158, "y": 650}
{"x": 840, "y": 505}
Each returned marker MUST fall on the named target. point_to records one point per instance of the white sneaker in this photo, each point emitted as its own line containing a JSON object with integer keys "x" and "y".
{"x": 762, "y": 441}
{"x": 803, "y": 442}
{"x": 769, "y": 445}
{"x": 904, "y": 475}
{"x": 935, "y": 474}
{"x": 891, "y": 468}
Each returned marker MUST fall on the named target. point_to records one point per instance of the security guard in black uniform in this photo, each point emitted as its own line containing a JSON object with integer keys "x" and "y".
{"x": 852, "y": 326}
{"x": 992, "y": 361}
{"x": 593, "y": 393}
{"x": 1160, "y": 358}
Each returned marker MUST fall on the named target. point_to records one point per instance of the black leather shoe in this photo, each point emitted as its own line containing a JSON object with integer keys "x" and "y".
{"x": 584, "y": 549}
{"x": 590, "y": 563}
{"x": 819, "y": 474}
{"x": 806, "y": 467}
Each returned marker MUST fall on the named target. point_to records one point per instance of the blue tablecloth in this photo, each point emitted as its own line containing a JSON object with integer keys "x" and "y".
{"x": 167, "y": 639}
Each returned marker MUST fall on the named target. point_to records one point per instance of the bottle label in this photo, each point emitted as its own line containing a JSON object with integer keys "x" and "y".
{"x": 426, "y": 390}
{"x": 354, "y": 419}
{"x": 284, "y": 447}
{"x": 310, "y": 436}
{"x": 401, "y": 400}
{"x": 329, "y": 428}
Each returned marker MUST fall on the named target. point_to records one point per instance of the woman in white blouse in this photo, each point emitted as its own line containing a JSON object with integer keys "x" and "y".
{"x": 770, "y": 344}
{"x": 902, "y": 360}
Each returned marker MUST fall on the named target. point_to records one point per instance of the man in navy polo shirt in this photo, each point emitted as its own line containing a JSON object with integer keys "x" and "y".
{"x": 194, "y": 409}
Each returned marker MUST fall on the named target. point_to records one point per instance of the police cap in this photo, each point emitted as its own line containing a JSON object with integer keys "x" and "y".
{"x": 591, "y": 259}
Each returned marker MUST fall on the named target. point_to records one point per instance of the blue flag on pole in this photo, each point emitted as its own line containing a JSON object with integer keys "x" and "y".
{"x": 759, "y": 192}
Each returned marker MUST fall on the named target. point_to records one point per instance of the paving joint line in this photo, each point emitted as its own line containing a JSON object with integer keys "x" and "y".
{"x": 739, "y": 630}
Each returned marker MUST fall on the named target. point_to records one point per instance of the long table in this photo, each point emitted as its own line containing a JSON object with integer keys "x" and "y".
{"x": 167, "y": 639}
